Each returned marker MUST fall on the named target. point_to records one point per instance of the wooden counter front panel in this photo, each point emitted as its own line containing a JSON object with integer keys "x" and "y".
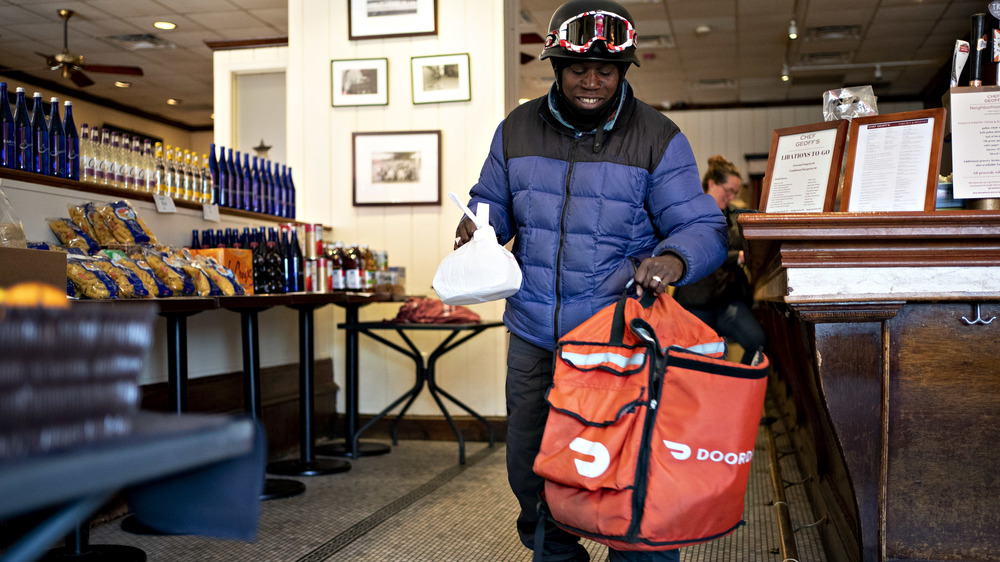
{"x": 798, "y": 357}
{"x": 944, "y": 432}
{"x": 849, "y": 356}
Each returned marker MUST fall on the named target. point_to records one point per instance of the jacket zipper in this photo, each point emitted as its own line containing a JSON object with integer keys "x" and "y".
{"x": 659, "y": 367}
{"x": 562, "y": 233}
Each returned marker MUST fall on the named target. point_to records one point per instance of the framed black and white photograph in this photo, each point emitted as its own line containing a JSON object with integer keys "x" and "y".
{"x": 440, "y": 78}
{"x": 375, "y": 19}
{"x": 397, "y": 168}
{"x": 360, "y": 82}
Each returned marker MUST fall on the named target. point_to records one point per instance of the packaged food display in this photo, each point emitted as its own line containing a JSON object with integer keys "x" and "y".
{"x": 72, "y": 236}
{"x": 89, "y": 279}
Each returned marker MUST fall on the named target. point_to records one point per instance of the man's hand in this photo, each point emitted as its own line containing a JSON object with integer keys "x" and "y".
{"x": 654, "y": 274}
{"x": 464, "y": 232}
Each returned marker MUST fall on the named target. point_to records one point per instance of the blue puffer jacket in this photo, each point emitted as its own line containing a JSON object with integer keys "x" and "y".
{"x": 581, "y": 213}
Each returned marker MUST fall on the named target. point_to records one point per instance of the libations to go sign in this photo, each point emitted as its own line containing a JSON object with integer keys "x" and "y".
{"x": 892, "y": 164}
{"x": 803, "y": 168}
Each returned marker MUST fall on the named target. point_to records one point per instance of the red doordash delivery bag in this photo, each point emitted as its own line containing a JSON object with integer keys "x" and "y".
{"x": 650, "y": 431}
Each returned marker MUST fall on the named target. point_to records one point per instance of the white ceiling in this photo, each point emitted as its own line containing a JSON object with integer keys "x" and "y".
{"x": 738, "y": 61}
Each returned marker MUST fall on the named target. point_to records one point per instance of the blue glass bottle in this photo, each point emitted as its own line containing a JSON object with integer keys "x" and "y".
{"x": 223, "y": 197}
{"x": 268, "y": 189}
{"x": 39, "y": 136}
{"x": 290, "y": 194}
{"x": 247, "y": 183}
{"x": 57, "y": 142}
{"x": 72, "y": 140}
{"x": 213, "y": 170}
{"x": 265, "y": 188}
{"x": 256, "y": 187}
{"x": 235, "y": 179}
{"x": 24, "y": 150}
{"x": 240, "y": 196}
{"x": 277, "y": 194}
{"x": 8, "y": 150}
{"x": 297, "y": 261}
{"x": 289, "y": 265}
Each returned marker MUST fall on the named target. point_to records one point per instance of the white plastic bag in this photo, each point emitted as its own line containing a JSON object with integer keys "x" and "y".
{"x": 481, "y": 270}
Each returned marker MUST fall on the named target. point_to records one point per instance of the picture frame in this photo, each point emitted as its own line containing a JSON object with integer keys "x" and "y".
{"x": 803, "y": 168}
{"x": 377, "y": 19}
{"x": 396, "y": 168}
{"x": 357, "y": 82}
{"x": 893, "y": 162}
{"x": 440, "y": 78}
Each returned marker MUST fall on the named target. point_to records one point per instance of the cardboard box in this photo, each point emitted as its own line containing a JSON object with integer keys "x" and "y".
{"x": 238, "y": 260}
{"x": 19, "y": 265}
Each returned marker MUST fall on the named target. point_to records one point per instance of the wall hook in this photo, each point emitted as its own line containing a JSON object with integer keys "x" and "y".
{"x": 979, "y": 318}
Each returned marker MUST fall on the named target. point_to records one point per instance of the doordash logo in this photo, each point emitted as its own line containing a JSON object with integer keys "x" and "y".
{"x": 682, "y": 452}
{"x": 596, "y": 467}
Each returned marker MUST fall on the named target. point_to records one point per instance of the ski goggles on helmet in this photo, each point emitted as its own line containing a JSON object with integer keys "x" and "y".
{"x": 579, "y": 33}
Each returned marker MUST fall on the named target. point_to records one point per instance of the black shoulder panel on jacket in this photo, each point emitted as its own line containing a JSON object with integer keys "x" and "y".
{"x": 528, "y": 132}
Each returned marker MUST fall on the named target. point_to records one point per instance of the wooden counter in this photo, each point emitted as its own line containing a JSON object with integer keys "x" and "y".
{"x": 885, "y": 343}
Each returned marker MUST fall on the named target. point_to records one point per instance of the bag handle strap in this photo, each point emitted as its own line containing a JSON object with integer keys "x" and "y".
{"x": 618, "y": 320}
{"x": 539, "y": 545}
{"x": 648, "y": 299}
{"x": 482, "y": 215}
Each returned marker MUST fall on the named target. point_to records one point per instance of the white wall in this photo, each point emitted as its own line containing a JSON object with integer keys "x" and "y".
{"x": 735, "y": 133}
{"x": 260, "y": 104}
{"x": 319, "y": 149}
{"x": 318, "y": 144}
{"x": 416, "y": 237}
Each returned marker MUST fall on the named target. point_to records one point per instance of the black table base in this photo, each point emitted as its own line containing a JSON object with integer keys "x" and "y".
{"x": 364, "y": 449}
{"x": 316, "y": 467}
{"x": 425, "y": 376}
{"x": 280, "y": 488}
{"x": 78, "y": 548}
{"x": 274, "y": 489}
{"x": 96, "y": 553}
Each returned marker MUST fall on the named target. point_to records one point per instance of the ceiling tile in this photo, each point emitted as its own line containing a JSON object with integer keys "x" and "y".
{"x": 748, "y": 43}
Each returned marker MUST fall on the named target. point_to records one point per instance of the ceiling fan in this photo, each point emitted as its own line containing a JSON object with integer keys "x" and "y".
{"x": 72, "y": 66}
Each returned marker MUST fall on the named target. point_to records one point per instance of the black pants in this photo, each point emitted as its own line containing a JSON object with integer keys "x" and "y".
{"x": 529, "y": 375}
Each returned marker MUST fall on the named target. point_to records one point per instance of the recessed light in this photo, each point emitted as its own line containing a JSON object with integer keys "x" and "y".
{"x": 164, "y": 25}
{"x": 702, "y": 29}
{"x": 122, "y": 84}
{"x": 174, "y": 101}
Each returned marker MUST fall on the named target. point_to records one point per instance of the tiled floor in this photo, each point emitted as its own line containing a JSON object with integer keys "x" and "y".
{"x": 418, "y": 504}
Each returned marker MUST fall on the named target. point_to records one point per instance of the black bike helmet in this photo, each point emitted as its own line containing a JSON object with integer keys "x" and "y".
{"x": 592, "y": 30}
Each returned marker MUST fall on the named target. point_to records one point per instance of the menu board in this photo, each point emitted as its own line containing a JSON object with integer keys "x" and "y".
{"x": 893, "y": 162}
{"x": 975, "y": 142}
{"x": 804, "y": 168}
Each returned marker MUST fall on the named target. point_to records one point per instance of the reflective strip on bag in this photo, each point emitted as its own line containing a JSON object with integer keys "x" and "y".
{"x": 595, "y": 359}
{"x": 711, "y": 348}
